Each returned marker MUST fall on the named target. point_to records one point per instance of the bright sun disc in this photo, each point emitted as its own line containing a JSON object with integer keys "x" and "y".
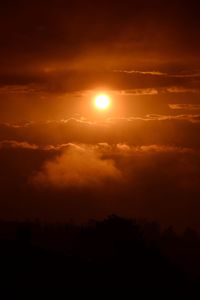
{"x": 102, "y": 102}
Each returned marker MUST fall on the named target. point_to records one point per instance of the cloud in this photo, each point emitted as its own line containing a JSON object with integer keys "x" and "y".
{"x": 19, "y": 89}
{"x": 185, "y": 74}
{"x": 139, "y": 92}
{"x": 154, "y": 73}
{"x": 185, "y": 106}
{"x": 82, "y": 181}
{"x": 159, "y": 90}
{"x": 15, "y": 144}
{"x": 124, "y": 148}
{"x": 98, "y": 149}
{"x": 189, "y": 118}
{"x": 78, "y": 166}
{"x": 147, "y": 130}
{"x": 181, "y": 89}
{"x": 80, "y": 80}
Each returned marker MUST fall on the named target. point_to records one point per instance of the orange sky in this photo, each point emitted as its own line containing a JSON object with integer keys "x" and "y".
{"x": 65, "y": 156}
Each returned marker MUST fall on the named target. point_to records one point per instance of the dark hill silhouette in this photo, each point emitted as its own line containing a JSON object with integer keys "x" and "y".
{"x": 115, "y": 253}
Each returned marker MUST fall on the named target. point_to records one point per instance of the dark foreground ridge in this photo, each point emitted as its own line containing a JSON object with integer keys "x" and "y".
{"x": 114, "y": 253}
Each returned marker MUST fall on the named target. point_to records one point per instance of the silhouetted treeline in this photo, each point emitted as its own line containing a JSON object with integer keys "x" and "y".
{"x": 114, "y": 253}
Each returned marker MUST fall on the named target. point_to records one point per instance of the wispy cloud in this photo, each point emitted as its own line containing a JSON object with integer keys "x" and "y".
{"x": 139, "y": 92}
{"x": 125, "y": 148}
{"x": 181, "y": 89}
{"x": 19, "y": 89}
{"x": 17, "y": 144}
{"x": 154, "y": 73}
{"x": 185, "y": 106}
{"x": 191, "y": 74}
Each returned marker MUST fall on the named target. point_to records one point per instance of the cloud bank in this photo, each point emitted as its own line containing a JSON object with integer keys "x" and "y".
{"x": 83, "y": 181}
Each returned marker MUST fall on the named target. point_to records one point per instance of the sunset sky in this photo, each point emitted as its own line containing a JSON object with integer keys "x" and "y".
{"x": 62, "y": 158}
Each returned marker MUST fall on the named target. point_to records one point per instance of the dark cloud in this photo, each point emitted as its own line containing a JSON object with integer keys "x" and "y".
{"x": 178, "y": 130}
{"x": 61, "y": 81}
{"x": 59, "y": 46}
{"x": 156, "y": 181}
{"x": 59, "y": 27}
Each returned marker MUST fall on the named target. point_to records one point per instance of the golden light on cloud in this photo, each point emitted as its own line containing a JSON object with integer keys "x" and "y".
{"x": 102, "y": 101}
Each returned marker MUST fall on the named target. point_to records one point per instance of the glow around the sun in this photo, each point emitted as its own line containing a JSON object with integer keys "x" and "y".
{"x": 102, "y": 101}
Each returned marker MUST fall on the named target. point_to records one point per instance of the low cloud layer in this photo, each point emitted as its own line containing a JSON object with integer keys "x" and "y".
{"x": 84, "y": 181}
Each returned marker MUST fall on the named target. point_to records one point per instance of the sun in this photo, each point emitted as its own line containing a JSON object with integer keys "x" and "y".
{"x": 102, "y": 101}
